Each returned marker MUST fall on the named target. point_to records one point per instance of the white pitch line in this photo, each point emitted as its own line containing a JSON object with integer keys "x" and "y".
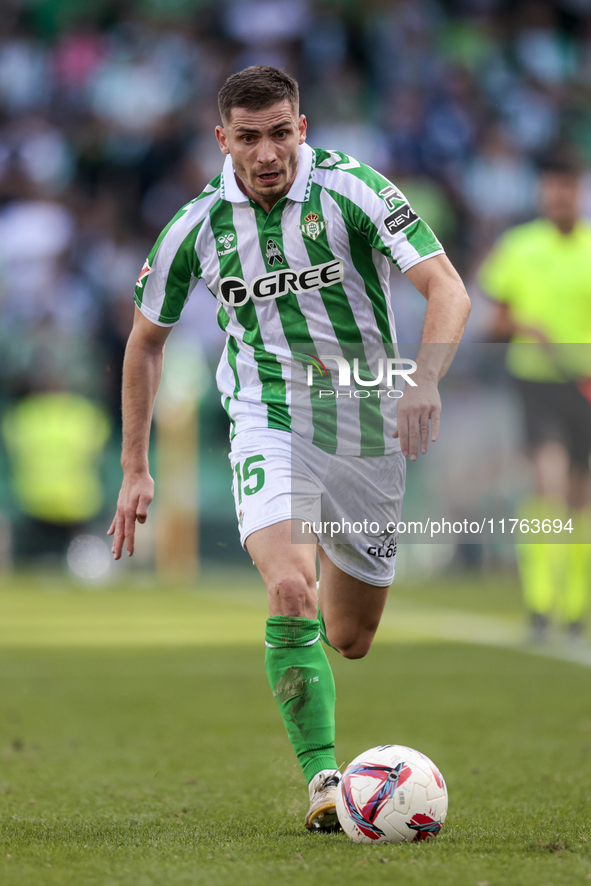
{"x": 456, "y": 625}
{"x": 407, "y": 621}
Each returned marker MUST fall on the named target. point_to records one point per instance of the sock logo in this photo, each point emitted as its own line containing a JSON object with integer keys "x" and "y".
{"x": 288, "y": 687}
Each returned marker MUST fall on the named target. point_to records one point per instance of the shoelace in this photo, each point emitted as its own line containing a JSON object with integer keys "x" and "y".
{"x": 331, "y": 781}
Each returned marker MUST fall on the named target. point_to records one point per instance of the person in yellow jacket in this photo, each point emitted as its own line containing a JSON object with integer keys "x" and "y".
{"x": 54, "y": 441}
{"x": 540, "y": 275}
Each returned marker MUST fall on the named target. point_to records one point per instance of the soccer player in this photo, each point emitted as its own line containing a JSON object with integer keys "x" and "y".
{"x": 540, "y": 275}
{"x": 296, "y": 245}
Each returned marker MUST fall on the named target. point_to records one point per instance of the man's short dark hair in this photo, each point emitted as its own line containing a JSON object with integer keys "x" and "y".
{"x": 257, "y": 88}
{"x": 562, "y": 160}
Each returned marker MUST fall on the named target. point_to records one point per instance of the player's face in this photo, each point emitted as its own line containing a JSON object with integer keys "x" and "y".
{"x": 264, "y": 149}
{"x": 559, "y": 195}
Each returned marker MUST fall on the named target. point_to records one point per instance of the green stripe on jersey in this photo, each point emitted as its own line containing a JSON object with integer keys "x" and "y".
{"x": 274, "y": 390}
{"x": 342, "y": 317}
{"x": 363, "y": 263}
{"x": 361, "y": 222}
{"x": 185, "y": 265}
{"x": 139, "y": 289}
{"x": 295, "y": 327}
{"x": 223, "y": 321}
{"x": 335, "y": 299}
{"x": 226, "y": 405}
{"x": 419, "y": 234}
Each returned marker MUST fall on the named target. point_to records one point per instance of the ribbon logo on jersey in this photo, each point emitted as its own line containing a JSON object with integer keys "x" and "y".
{"x": 234, "y": 291}
{"x": 313, "y": 225}
{"x": 273, "y": 253}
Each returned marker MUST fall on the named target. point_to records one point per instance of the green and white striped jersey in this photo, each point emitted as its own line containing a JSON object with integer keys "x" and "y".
{"x": 306, "y": 280}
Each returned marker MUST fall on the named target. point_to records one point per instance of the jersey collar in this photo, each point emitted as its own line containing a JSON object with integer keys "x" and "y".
{"x": 298, "y": 192}
{"x": 300, "y": 189}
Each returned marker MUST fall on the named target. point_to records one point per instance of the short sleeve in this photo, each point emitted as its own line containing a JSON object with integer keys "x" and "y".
{"x": 399, "y": 232}
{"x": 381, "y": 212}
{"x": 170, "y": 271}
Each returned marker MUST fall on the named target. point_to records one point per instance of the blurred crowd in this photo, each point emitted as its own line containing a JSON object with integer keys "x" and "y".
{"x": 107, "y": 111}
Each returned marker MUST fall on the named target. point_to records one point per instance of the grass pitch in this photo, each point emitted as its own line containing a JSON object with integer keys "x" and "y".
{"x": 139, "y": 743}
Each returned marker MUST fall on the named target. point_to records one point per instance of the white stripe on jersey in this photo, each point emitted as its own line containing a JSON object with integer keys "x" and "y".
{"x": 207, "y": 247}
{"x": 324, "y": 338}
{"x": 354, "y": 188}
{"x": 253, "y": 265}
{"x": 154, "y": 291}
{"x": 372, "y": 205}
{"x": 350, "y": 435}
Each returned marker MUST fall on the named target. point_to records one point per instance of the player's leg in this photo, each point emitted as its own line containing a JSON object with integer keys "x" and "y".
{"x": 541, "y": 566}
{"x": 351, "y": 609}
{"x": 297, "y": 667}
{"x": 575, "y": 597}
{"x": 357, "y": 569}
{"x": 288, "y": 570}
{"x": 576, "y": 593}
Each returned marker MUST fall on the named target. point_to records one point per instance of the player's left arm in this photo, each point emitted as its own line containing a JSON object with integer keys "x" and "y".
{"x": 448, "y": 306}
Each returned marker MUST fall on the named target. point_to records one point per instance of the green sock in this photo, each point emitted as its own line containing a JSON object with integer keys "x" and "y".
{"x": 302, "y": 683}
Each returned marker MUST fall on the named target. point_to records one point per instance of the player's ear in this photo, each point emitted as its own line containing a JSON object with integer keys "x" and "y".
{"x": 220, "y": 134}
{"x": 302, "y": 129}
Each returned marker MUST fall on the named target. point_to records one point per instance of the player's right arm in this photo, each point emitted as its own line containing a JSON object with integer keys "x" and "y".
{"x": 142, "y": 370}
{"x": 163, "y": 287}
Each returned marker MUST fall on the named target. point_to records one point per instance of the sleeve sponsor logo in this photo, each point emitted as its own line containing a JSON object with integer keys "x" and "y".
{"x": 391, "y": 196}
{"x": 401, "y": 218}
{"x": 234, "y": 291}
{"x": 145, "y": 272}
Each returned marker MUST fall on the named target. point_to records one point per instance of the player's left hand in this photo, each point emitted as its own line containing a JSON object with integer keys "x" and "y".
{"x": 416, "y": 408}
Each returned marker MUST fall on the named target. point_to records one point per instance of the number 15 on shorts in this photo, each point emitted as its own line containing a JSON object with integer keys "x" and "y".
{"x": 250, "y": 477}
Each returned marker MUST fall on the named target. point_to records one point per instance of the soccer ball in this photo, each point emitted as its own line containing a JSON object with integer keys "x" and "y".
{"x": 391, "y": 794}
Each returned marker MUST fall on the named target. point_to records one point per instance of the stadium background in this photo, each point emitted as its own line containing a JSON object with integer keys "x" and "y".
{"x": 106, "y": 117}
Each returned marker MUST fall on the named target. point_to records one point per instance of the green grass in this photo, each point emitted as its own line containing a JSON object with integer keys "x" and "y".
{"x": 139, "y": 744}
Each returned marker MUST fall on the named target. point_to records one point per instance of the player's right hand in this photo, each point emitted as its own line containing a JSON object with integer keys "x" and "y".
{"x": 137, "y": 491}
{"x": 419, "y": 406}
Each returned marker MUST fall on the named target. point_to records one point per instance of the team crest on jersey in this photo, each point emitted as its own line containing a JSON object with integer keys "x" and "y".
{"x": 313, "y": 225}
{"x": 226, "y": 241}
{"x": 145, "y": 272}
{"x": 274, "y": 253}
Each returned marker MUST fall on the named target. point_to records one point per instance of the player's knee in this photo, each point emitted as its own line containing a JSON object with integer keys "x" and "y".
{"x": 356, "y": 651}
{"x": 355, "y": 646}
{"x": 294, "y": 595}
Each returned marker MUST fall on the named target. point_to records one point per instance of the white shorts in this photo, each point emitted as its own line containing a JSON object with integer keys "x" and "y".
{"x": 350, "y": 502}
